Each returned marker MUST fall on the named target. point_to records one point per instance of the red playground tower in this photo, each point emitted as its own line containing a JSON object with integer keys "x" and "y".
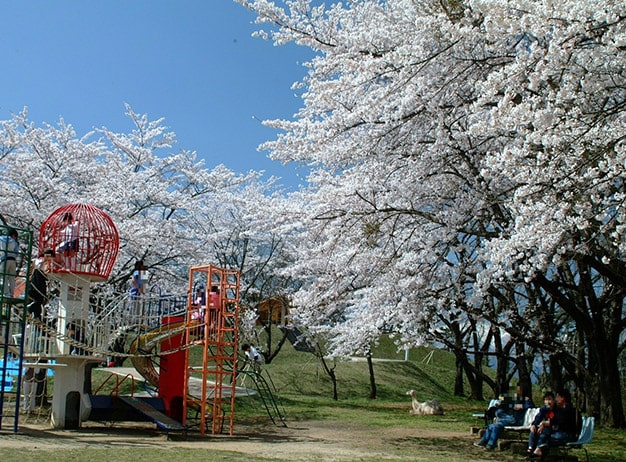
{"x": 84, "y": 239}
{"x": 85, "y": 243}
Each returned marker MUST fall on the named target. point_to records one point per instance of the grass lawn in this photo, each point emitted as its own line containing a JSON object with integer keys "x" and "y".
{"x": 318, "y": 428}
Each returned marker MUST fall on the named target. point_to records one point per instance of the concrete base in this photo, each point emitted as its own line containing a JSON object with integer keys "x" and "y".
{"x": 70, "y": 402}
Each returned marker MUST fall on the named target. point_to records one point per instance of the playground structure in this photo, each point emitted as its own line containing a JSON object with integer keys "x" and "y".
{"x": 217, "y": 315}
{"x": 11, "y": 352}
{"x": 80, "y": 331}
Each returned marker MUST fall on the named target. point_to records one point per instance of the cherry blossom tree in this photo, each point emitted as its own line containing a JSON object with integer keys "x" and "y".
{"x": 250, "y": 234}
{"x": 460, "y": 150}
{"x": 169, "y": 209}
{"x": 171, "y": 212}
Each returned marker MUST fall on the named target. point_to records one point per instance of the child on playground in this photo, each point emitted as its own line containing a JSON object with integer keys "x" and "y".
{"x": 29, "y": 388}
{"x": 252, "y": 355}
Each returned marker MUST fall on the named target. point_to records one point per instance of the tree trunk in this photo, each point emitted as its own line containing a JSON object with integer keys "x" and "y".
{"x": 523, "y": 369}
{"x": 269, "y": 354}
{"x": 556, "y": 372}
{"x": 458, "y": 378}
{"x": 370, "y": 366}
{"x": 611, "y": 405}
{"x": 599, "y": 316}
{"x": 330, "y": 371}
{"x": 462, "y": 337}
{"x": 502, "y": 363}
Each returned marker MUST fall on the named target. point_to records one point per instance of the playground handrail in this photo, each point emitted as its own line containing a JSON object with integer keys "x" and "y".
{"x": 101, "y": 329}
{"x": 118, "y": 383}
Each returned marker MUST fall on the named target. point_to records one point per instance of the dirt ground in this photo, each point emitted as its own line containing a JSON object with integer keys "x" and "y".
{"x": 310, "y": 440}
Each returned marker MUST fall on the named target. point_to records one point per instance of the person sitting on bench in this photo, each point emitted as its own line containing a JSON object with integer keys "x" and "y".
{"x": 510, "y": 413}
{"x": 563, "y": 427}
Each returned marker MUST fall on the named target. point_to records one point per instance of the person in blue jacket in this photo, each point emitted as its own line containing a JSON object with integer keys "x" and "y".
{"x": 510, "y": 413}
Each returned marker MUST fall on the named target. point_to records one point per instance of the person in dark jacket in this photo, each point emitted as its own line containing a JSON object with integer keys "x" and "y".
{"x": 542, "y": 421}
{"x": 563, "y": 426}
{"x": 38, "y": 292}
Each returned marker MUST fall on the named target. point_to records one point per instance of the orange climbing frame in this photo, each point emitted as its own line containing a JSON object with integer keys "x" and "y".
{"x": 214, "y": 301}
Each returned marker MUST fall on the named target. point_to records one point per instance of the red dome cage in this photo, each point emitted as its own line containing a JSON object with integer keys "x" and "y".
{"x": 84, "y": 240}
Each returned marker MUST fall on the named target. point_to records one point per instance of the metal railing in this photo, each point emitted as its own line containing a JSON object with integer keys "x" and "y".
{"x": 103, "y": 332}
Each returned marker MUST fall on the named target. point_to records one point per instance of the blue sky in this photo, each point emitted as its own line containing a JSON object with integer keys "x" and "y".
{"x": 192, "y": 62}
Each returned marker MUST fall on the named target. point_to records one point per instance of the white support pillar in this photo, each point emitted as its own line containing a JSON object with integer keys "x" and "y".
{"x": 70, "y": 404}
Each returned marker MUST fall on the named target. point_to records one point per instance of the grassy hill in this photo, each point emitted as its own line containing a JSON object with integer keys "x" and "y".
{"x": 429, "y": 375}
